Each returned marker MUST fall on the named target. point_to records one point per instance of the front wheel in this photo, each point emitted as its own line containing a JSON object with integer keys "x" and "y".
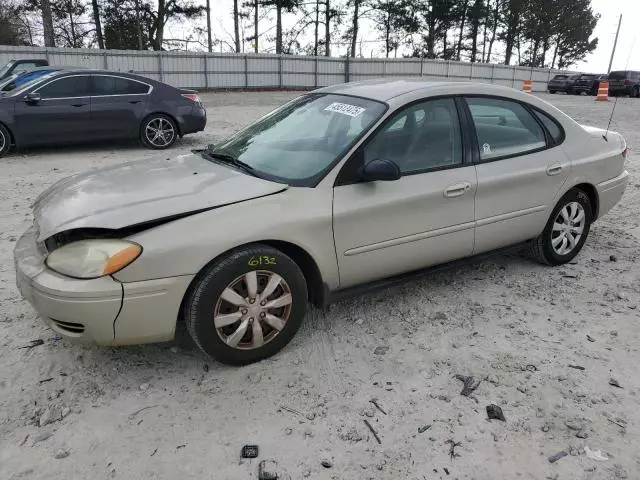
{"x": 5, "y": 140}
{"x": 158, "y": 131}
{"x": 247, "y": 306}
{"x": 566, "y": 231}
{"x": 552, "y": 92}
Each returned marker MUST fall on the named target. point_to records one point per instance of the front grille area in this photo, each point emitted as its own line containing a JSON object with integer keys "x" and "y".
{"x": 70, "y": 327}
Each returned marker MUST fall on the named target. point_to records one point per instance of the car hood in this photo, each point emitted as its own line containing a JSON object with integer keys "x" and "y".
{"x": 143, "y": 191}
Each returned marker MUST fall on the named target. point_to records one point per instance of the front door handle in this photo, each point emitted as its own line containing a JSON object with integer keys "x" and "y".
{"x": 457, "y": 190}
{"x": 78, "y": 104}
{"x": 134, "y": 101}
{"x": 554, "y": 170}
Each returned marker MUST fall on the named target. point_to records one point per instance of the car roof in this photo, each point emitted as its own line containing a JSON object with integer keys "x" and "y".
{"x": 94, "y": 71}
{"x": 386, "y": 89}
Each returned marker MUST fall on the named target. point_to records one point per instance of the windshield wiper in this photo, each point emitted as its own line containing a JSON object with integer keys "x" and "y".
{"x": 227, "y": 158}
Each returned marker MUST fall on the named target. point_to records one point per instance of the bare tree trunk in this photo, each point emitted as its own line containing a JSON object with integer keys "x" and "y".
{"x": 462, "y": 20}
{"x": 327, "y": 33}
{"x": 47, "y": 24}
{"x": 96, "y": 21}
{"x": 139, "y": 25}
{"x": 354, "y": 37}
{"x": 316, "y": 25}
{"x": 236, "y": 25}
{"x": 484, "y": 36}
{"x": 494, "y": 29}
{"x": 255, "y": 25}
{"x": 278, "y": 28}
{"x": 555, "y": 55}
{"x": 209, "y": 41}
{"x": 72, "y": 25}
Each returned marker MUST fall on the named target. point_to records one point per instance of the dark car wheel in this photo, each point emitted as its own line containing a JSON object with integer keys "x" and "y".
{"x": 5, "y": 140}
{"x": 566, "y": 231}
{"x": 158, "y": 131}
{"x": 636, "y": 92}
{"x": 247, "y": 306}
{"x": 552, "y": 91}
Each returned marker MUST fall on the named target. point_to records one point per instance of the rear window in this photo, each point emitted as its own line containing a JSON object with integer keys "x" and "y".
{"x": 551, "y": 125}
{"x": 560, "y": 77}
{"x": 617, "y": 75}
{"x": 587, "y": 77}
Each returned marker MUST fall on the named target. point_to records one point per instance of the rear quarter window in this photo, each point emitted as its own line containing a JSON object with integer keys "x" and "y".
{"x": 552, "y": 126}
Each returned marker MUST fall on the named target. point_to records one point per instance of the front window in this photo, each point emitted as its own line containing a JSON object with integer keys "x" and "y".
{"x": 298, "y": 142}
{"x": 66, "y": 87}
{"x": 6, "y": 68}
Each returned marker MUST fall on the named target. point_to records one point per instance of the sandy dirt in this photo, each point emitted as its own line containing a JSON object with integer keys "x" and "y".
{"x": 166, "y": 411}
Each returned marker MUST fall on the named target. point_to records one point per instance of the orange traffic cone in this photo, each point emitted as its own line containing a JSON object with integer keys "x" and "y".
{"x": 527, "y": 86}
{"x": 603, "y": 92}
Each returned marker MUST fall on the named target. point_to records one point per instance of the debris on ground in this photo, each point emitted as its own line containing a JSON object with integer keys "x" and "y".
{"x": 33, "y": 343}
{"x": 380, "y": 350}
{"x": 469, "y": 384}
{"x": 595, "y": 454}
{"x": 452, "y": 448}
{"x": 577, "y": 367}
{"x": 268, "y": 470}
{"x": 326, "y": 463}
{"x": 614, "y": 383}
{"x": 374, "y": 401}
{"x": 375, "y": 434}
{"x": 249, "y": 451}
{"x": 60, "y": 454}
{"x": 423, "y": 428}
{"x": 590, "y": 338}
{"x": 41, "y": 437}
{"x": 45, "y": 380}
{"x": 621, "y": 425}
{"x": 494, "y": 412}
{"x": 613, "y": 258}
{"x": 554, "y": 458}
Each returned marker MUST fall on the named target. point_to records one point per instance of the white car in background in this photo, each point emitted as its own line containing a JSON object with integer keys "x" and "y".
{"x": 345, "y": 186}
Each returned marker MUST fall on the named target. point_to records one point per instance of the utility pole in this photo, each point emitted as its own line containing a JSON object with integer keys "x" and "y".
{"x": 209, "y": 42}
{"x": 615, "y": 42}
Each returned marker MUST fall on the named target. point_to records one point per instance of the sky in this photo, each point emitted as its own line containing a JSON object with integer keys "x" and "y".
{"x": 596, "y": 62}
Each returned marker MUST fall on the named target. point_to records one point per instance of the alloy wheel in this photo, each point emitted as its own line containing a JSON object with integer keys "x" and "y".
{"x": 568, "y": 228}
{"x": 253, "y": 309}
{"x": 159, "y": 132}
{"x": 3, "y": 141}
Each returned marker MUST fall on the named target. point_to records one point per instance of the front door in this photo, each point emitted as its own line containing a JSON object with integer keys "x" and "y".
{"x": 424, "y": 218}
{"x": 117, "y": 106}
{"x": 61, "y": 115}
{"x": 519, "y": 173}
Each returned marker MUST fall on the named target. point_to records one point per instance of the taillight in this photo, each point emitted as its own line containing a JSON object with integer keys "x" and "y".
{"x": 626, "y": 81}
{"x": 192, "y": 96}
{"x": 626, "y": 152}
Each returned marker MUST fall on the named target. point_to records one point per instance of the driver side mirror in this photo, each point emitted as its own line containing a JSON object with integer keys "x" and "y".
{"x": 32, "y": 97}
{"x": 381, "y": 169}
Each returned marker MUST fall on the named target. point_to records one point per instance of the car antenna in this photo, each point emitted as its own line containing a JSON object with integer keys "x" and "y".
{"x": 616, "y": 100}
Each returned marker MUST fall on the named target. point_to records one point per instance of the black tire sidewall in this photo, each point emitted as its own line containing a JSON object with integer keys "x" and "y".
{"x": 143, "y": 127}
{"x": 7, "y": 140}
{"x": 550, "y": 255}
{"x": 207, "y": 288}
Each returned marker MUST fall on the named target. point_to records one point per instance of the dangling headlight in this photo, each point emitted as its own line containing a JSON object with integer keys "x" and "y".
{"x": 93, "y": 258}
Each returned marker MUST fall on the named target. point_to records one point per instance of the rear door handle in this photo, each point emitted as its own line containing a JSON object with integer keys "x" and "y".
{"x": 78, "y": 104}
{"x": 457, "y": 190}
{"x": 134, "y": 101}
{"x": 554, "y": 170}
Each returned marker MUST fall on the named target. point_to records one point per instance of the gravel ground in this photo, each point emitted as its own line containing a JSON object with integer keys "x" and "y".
{"x": 165, "y": 411}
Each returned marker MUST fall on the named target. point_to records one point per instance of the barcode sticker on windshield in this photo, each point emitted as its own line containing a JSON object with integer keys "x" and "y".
{"x": 346, "y": 109}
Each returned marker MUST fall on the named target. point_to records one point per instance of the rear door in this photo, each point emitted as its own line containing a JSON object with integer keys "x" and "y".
{"x": 117, "y": 106}
{"x": 519, "y": 172}
{"x": 61, "y": 115}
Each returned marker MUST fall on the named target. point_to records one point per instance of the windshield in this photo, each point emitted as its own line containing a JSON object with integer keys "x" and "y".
{"x": 298, "y": 142}
{"x": 29, "y": 83}
{"x": 5, "y": 69}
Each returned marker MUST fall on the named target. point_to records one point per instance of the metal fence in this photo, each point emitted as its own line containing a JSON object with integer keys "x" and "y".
{"x": 218, "y": 70}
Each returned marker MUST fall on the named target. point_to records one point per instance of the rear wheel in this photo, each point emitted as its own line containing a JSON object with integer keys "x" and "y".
{"x": 636, "y": 92}
{"x": 552, "y": 92}
{"x": 5, "y": 140}
{"x": 247, "y": 306}
{"x": 566, "y": 231}
{"x": 158, "y": 131}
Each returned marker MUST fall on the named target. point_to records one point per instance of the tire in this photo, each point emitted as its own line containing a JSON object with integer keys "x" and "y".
{"x": 5, "y": 140}
{"x": 149, "y": 128}
{"x": 204, "y": 302}
{"x": 542, "y": 248}
{"x": 552, "y": 92}
{"x": 636, "y": 92}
